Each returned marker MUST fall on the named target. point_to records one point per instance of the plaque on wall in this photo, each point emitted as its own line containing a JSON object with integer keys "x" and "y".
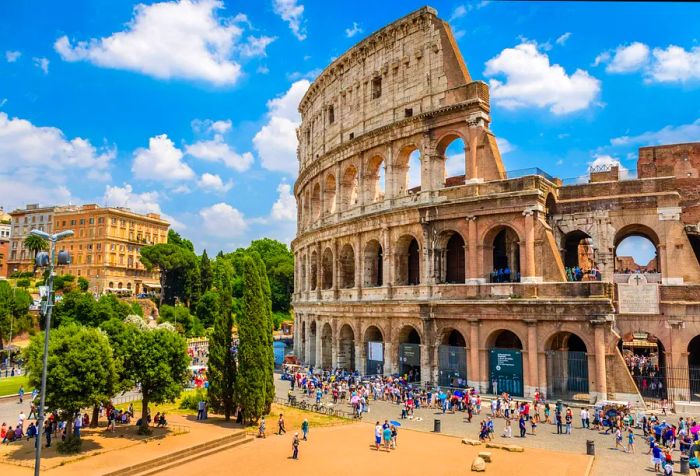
{"x": 638, "y": 296}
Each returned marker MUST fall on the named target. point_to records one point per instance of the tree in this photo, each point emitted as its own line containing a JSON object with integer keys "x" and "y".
{"x": 205, "y": 272}
{"x": 252, "y": 356}
{"x": 158, "y": 362}
{"x": 269, "y": 366}
{"x": 80, "y": 372}
{"x": 35, "y": 244}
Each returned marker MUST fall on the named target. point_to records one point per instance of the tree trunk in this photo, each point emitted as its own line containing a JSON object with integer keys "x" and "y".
{"x": 144, "y": 414}
{"x": 95, "y": 416}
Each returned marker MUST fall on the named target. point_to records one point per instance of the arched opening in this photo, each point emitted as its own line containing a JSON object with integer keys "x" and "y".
{"x": 636, "y": 250}
{"x": 374, "y": 180}
{"x": 346, "y": 348}
{"x": 348, "y": 188}
{"x": 504, "y": 257}
{"x": 374, "y": 346}
{"x": 452, "y": 360}
{"x": 314, "y": 271}
{"x": 312, "y": 343}
{"x": 567, "y": 366}
{"x": 453, "y": 151}
{"x": 645, "y": 358}
{"x": 579, "y": 257}
{"x": 694, "y": 368}
{"x": 505, "y": 363}
{"x": 452, "y": 262}
{"x": 327, "y": 269}
{"x": 327, "y": 347}
{"x": 409, "y": 353}
{"x": 347, "y": 267}
{"x": 407, "y": 261}
{"x": 329, "y": 195}
{"x": 374, "y": 264}
{"x": 316, "y": 202}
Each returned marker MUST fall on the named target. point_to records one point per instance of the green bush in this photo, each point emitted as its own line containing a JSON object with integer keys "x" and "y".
{"x": 23, "y": 283}
{"x": 191, "y": 399}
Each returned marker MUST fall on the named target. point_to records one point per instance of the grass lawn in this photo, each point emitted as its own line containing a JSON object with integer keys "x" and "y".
{"x": 10, "y": 385}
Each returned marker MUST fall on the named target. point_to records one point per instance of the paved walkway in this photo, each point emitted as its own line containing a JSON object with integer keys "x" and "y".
{"x": 608, "y": 460}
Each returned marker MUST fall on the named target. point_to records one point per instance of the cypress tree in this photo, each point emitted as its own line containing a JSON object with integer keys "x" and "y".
{"x": 205, "y": 272}
{"x": 267, "y": 329}
{"x": 250, "y": 387}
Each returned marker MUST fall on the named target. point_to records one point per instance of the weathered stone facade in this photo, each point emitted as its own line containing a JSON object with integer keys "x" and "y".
{"x": 411, "y": 269}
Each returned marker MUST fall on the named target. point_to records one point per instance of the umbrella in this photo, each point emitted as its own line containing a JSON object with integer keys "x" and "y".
{"x": 395, "y": 423}
{"x": 695, "y": 429}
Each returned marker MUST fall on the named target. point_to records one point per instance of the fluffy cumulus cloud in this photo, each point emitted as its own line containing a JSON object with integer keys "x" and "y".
{"x": 625, "y": 58}
{"x": 222, "y": 220}
{"x": 12, "y": 56}
{"x": 176, "y": 39}
{"x": 276, "y": 141}
{"x": 161, "y": 161}
{"x": 144, "y": 202}
{"x": 293, "y": 13}
{"x": 532, "y": 81}
{"x": 355, "y": 29}
{"x": 667, "y": 135}
{"x": 285, "y": 207}
{"x": 213, "y": 183}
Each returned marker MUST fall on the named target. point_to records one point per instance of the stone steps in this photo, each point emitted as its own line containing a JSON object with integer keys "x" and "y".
{"x": 187, "y": 455}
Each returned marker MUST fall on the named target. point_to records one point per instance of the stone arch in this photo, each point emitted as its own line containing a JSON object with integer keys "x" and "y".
{"x": 374, "y": 264}
{"x": 451, "y": 262}
{"x": 502, "y": 252}
{"x": 622, "y": 263}
{"x": 326, "y": 346}
{"x": 566, "y": 356}
{"x": 407, "y": 256}
{"x": 406, "y": 170}
{"x": 375, "y": 178}
{"x": 373, "y": 350}
{"x": 329, "y": 197}
{"x": 451, "y": 147}
{"x": 327, "y": 269}
{"x": 313, "y": 268}
{"x": 346, "y": 262}
{"x": 349, "y": 188}
{"x": 409, "y": 352}
{"x": 316, "y": 202}
{"x": 452, "y": 358}
{"x": 346, "y": 347}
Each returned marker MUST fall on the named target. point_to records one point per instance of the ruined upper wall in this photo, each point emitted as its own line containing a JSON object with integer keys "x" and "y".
{"x": 409, "y": 67}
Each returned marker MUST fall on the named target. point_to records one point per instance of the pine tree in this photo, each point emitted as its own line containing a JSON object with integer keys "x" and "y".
{"x": 267, "y": 329}
{"x": 250, "y": 387}
{"x": 205, "y": 272}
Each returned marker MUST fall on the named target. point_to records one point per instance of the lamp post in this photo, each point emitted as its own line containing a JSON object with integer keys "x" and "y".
{"x": 44, "y": 260}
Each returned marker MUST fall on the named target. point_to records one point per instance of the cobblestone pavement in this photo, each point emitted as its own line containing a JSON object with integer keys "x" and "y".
{"x": 609, "y": 461}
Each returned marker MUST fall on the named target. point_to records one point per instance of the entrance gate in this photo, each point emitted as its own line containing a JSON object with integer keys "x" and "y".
{"x": 506, "y": 371}
{"x": 452, "y": 366}
{"x": 567, "y": 373}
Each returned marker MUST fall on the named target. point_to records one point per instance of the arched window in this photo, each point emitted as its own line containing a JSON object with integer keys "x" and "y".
{"x": 347, "y": 267}
{"x": 374, "y": 264}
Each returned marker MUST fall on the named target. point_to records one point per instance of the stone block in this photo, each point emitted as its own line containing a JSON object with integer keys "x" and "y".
{"x": 478, "y": 465}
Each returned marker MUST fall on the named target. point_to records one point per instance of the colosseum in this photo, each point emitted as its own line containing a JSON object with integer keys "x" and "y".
{"x": 472, "y": 275}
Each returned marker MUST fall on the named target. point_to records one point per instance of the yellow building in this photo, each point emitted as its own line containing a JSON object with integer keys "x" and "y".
{"x": 106, "y": 244}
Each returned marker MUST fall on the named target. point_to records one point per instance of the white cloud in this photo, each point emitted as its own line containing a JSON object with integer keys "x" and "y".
{"x": 12, "y": 56}
{"x": 531, "y": 81}
{"x": 625, "y": 58}
{"x": 563, "y": 38}
{"x": 222, "y": 220}
{"x": 293, "y": 14}
{"x": 216, "y": 150}
{"x": 42, "y": 64}
{"x": 213, "y": 183}
{"x": 145, "y": 202}
{"x": 172, "y": 39}
{"x": 256, "y": 46}
{"x": 276, "y": 141}
{"x": 354, "y": 30}
{"x": 161, "y": 161}
{"x": 504, "y": 146}
{"x": 667, "y": 135}
{"x": 674, "y": 64}
{"x": 285, "y": 207}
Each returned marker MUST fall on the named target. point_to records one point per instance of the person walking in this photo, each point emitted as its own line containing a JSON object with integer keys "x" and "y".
{"x": 295, "y": 446}
{"x": 305, "y": 428}
{"x": 280, "y": 424}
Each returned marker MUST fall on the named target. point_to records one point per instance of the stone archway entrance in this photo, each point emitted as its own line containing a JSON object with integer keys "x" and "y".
{"x": 567, "y": 366}
{"x": 452, "y": 360}
{"x": 374, "y": 346}
{"x": 506, "y": 364}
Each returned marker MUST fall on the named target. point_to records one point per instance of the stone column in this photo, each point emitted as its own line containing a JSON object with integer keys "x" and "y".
{"x": 473, "y": 252}
{"x": 533, "y": 371}
{"x": 599, "y": 342}
{"x": 528, "y": 275}
{"x": 474, "y": 378}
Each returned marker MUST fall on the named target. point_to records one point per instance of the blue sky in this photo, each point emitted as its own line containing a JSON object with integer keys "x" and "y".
{"x": 189, "y": 108}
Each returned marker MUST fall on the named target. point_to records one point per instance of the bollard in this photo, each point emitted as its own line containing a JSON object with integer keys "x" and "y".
{"x": 590, "y": 447}
{"x": 436, "y": 426}
{"x": 685, "y": 469}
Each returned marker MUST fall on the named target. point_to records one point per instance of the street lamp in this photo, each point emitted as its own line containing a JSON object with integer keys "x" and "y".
{"x": 44, "y": 259}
